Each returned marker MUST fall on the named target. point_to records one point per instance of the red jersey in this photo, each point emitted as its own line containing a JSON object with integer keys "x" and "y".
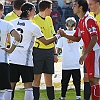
{"x": 88, "y": 27}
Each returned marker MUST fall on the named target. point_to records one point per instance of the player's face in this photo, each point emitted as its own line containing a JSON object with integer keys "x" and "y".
{"x": 32, "y": 13}
{"x": 93, "y": 5}
{"x": 1, "y": 12}
{"x": 75, "y": 8}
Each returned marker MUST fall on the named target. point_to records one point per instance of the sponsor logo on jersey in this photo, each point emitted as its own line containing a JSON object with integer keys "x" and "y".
{"x": 21, "y": 24}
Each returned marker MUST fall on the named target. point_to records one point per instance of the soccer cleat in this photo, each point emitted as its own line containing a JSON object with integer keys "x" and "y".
{"x": 78, "y": 99}
{"x": 61, "y": 99}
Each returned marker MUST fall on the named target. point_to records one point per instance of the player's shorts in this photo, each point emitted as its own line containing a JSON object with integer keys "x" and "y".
{"x": 92, "y": 63}
{"x": 25, "y": 72}
{"x": 43, "y": 61}
{"x": 4, "y": 76}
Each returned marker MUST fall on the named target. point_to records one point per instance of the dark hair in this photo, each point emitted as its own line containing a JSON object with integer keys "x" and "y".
{"x": 1, "y": 6}
{"x": 25, "y": 7}
{"x": 18, "y": 3}
{"x": 97, "y": 1}
{"x": 43, "y": 4}
{"x": 83, "y": 3}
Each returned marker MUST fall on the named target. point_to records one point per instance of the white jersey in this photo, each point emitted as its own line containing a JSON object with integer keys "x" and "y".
{"x": 5, "y": 28}
{"x": 22, "y": 55}
{"x": 70, "y": 52}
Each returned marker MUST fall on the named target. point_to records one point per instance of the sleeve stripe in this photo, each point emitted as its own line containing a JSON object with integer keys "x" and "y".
{"x": 40, "y": 37}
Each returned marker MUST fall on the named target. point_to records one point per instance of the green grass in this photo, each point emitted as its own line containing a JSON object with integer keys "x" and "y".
{"x": 70, "y": 95}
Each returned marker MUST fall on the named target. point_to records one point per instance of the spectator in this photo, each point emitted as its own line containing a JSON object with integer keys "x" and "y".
{"x": 55, "y": 3}
{"x": 69, "y": 13}
{"x": 56, "y": 17}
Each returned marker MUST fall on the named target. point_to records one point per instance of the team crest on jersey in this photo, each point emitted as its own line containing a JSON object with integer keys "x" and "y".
{"x": 92, "y": 29}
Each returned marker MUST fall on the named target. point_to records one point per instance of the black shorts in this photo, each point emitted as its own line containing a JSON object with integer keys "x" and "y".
{"x": 43, "y": 60}
{"x": 85, "y": 69}
{"x": 4, "y": 76}
{"x": 25, "y": 72}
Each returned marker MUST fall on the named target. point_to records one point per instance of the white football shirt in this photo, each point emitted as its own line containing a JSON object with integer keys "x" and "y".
{"x": 5, "y": 28}
{"x": 22, "y": 55}
{"x": 70, "y": 52}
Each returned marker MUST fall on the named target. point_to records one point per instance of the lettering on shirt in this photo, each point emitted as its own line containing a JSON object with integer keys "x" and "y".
{"x": 21, "y": 24}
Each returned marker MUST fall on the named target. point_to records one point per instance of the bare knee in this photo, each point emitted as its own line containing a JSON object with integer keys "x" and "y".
{"x": 86, "y": 79}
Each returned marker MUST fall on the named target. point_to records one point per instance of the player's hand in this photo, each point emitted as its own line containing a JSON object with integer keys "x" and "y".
{"x": 61, "y": 32}
{"x": 82, "y": 58}
{"x": 7, "y": 50}
{"x": 55, "y": 58}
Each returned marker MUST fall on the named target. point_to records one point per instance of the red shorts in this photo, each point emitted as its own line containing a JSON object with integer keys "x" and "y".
{"x": 92, "y": 63}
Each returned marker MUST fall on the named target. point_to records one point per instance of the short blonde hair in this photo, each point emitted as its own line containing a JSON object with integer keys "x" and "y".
{"x": 70, "y": 22}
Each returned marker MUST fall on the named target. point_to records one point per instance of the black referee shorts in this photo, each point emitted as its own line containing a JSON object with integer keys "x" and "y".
{"x": 43, "y": 60}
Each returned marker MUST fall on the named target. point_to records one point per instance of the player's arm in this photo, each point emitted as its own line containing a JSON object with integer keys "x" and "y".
{"x": 93, "y": 41}
{"x": 50, "y": 40}
{"x": 16, "y": 41}
{"x": 73, "y": 38}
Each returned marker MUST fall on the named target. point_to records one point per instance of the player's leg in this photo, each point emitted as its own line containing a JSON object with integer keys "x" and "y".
{"x": 87, "y": 87}
{"x": 4, "y": 81}
{"x": 14, "y": 78}
{"x": 36, "y": 86}
{"x": 66, "y": 74}
{"x": 93, "y": 69}
{"x": 76, "y": 75}
{"x": 48, "y": 69}
{"x": 26, "y": 73}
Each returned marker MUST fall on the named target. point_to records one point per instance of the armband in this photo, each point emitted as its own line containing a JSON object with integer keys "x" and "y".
{"x": 15, "y": 42}
{"x": 58, "y": 36}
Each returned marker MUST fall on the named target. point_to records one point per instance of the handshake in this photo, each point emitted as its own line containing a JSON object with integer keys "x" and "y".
{"x": 60, "y": 33}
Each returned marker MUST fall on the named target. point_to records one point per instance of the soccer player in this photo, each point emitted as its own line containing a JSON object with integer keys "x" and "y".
{"x": 44, "y": 55}
{"x": 88, "y": 30}
{"x": 70, "y": 60}
{"x": 5, "y": 28}
{"x": 94, "y": 6}
{"x": 11, "y": 16}
{"x": 21, "y": 60}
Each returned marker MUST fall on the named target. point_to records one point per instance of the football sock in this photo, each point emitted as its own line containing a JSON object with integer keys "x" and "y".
{"x": 95, "y": 91}
{"x": 8, "y": 94}
{"x": 87, "y": 90}
{"x": 50, "y": 93}
{"x": 29, "y": 94}
{"x": 36, "y": 93}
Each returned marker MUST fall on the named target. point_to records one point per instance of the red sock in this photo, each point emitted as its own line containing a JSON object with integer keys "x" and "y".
{"x": 95, "y": 92}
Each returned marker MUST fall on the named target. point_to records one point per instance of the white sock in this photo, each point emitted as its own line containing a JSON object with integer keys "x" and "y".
{"x": 78, "y": 97}
{"x": 8, "y": 94}
{"x": 29, "y": 94}
{"x": 2, "y": 92}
